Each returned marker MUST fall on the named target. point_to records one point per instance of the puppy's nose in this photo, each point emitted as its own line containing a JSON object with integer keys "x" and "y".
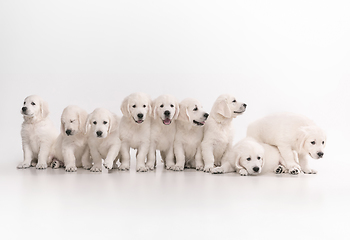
{"x": 206, "y": 115}
{"x": 320, "y": 154}
{"x": 68, "y": 132}
{"x": 244, "y": 105}
{"x": 140, "y": 115}
{"x": 99, "y": 133}
{"x": 24, "y": 109}
{"x": 256, "y": 169}
{"x": 167, "y": 113}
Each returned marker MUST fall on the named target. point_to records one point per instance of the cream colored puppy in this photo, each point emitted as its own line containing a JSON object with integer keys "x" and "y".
{"x": 218, "y": 132}
{"x": 189, "y": 135}
{"x": 38, "y": 133}
{"x": 163, "y": 129}
{"x": 71, "y": 149}
{"x": 291, "y": 132}
{"x": 135, "y": 129}
{"x": 103, "y": 138}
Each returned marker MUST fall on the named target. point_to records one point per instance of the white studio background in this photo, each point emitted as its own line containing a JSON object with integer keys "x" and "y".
{"x": 273, "y": 55}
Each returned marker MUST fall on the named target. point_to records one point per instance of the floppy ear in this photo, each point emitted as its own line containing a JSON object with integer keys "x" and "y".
{"x": 150, "y": 112}
{"x": 44, "y": 109}
{"x": 125, "y": 107}
{"x": 183, "y": 114}
{"x": 82, "y": 116}
{"x": 262, "y": 161}
{"x": 62, "y": 127}
{"x": 113, "y": 123}
{"x": 236, "y": 162}
{"x": 301, "y": 138}
{"x": 87, "y": 124}
{"x": 177, "y": 111}
{"x": 154, "y": 107}
{"x": 223, "y": 109}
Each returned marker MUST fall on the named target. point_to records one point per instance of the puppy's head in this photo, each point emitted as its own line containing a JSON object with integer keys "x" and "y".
{"x": 137, "y": 106}
{"x": 250, "y": 156}
{"x": 166, "y": 109}
{"x": 226, "y": 106}
{"x": 73, "y": 120}
{"x": 312, "y": 141}
{"x": 34, "y": 107}
{"x": 101, "y": 123}
{"x": 191, "y": 110}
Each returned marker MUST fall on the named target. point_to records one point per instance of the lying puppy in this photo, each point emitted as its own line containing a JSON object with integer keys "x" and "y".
{"x": 189, "y": 134}
{"x": 71, "y": 149}
{"x": 163, "y": 129}
{"x": 103, "y": 138}
{"x": 218, "y": 133}
{"x": 135, "y": 130}
{"x": 291, "y": 132}
{"x": 38, "y": 133}
{"x": 248, "y": 157}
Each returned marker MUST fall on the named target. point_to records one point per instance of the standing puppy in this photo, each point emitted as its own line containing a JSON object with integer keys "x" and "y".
{"x": 103, "y": 138}
{"x": 163, "y": 129}
{"x": 218, "y": 133}
{"x": 38, "y": 133}
{"x": 189, "y": 135}
{"x": 71, "y": 147}
{"x": 291, "y": 133}
{"x": 135, "y": 130}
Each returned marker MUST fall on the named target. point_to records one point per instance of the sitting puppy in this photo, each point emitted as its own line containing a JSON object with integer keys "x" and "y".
{"x": 248, "y": 157}
{"x": 38, "y": 133}
{"x": 103, "y": 138}
{"x": 291, "y": 133}
{"x": 71, "y": 149}
{"x": 189, "y": 135}
{"x": 135, "y": 130}
{"x": 218, "y": 133}
{"x": 163, "y": 129}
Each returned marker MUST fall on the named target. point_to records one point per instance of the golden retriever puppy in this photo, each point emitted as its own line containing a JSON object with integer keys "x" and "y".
{"x": 135, "y": 130}
{"x": 163, "y": 128}
{"x": 71, "y": 149}
{"x": 291, "y": 133}
{"x": 38, "y": 133}
{"x": 103, "y": 138}
{"x": 189, "y": 135}
{"x": 218, "y": 132}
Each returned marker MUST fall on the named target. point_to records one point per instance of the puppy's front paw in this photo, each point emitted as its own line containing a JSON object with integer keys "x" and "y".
{"x": 124, "y": 167}
{"x": 87, "y": 167}
{"x": 96, "y": 168}
{"x": 177, "y": 168}
{"x": 208, "y": 169}
{"x": 41, "y": 166}
{"x": 108, "y": 165}
{"x": 280, "y": 169}
{"x": 294, "y": 171}
{"x": 217, "y": 170}
{"x": 200, "y": 168}
{"x": 150, "y": 166}
{"x": 23, "y": 165}
{"x": 141, "y": 169}
{"x": 71, "y": 168}
{"x": 309, "y": 171}
{"x": 243, "y": 172}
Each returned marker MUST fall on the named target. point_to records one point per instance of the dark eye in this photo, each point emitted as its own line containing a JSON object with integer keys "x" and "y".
{"x": 195, "y": 109}
{"x": 71, "y": 121}
{"x": 234, "y": 100}
{"x": 94, "y": 122}
{"x": 313, "y": 142}
{"x": 144, "y": 106}
{"x": 134, "y": 106}
{"x": 322, "y": 142}
{"x": 33, "y": 103}
{"x": 248, "y": 159}
{"x": 258, "y": 158}
{"x": 104, "y": 122}
{"x": 171, "y": 105}
{"x": 161, "y": 105}
{"x": 24, "y": 103}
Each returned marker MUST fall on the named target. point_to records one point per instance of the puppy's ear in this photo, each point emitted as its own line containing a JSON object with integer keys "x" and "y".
{"x": 223, "y": 109}
{"x": 62, "y": 127}
{"x": 301, "y": 138}
{"x": 150, "y": 112}
{"x": 82, "y": 116}
{"x": 44, "y": 109}
{"x": 87, "y": 123}
{"x": 154, "y": 109}
{"x": 177, "y": 111}
{"x": 236, "y": 161}
{"x": 125, "y": 107}
{"x": 183, "y": 114}
{"x": 113, "y": 123}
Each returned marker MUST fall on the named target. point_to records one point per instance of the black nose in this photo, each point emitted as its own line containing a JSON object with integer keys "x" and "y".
{"x": 68, "y": 132}
{"x": 244, "y": 105}
{"x": 167, "y": 113}
{"x": 256, "y": 169}
{"x": 206, "y": 115}
{"x": 99, "y": 133}
{"x": 24, "y": 109}
{"x": 320, "y": 154}
{"x": 140, "y": 115}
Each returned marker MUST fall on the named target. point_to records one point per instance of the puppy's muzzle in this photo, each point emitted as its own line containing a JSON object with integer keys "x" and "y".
{"x": 241, "y": 109}
{"x": 320, "y": 154}
{"x": 140, "y": 118}
{"x": 99, "y": 133}
{"x": 24, "y": 109}
{"x": 256, "y": 169}
{"x": 69, "y": 132}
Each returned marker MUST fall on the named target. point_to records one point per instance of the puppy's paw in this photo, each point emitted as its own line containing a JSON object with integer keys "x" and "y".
{"x": 124, "y": 167}
{"x": 243, "y": 172}
{"x": 108, "y": 165}
{"x": 71, "y": 168}
{"x": 294, "y": 171}
{"x": 150, "y": 166}
{"x": 200, "y": 168}
{"x": 177, "y": 168}
{"x": 41, "y": 166}
{"x": 208, "y": 169}
{"x": 34, "y": 163}
{"x": 87, "y": 167}
{"x": 55, "y": 164}
{"x": 141, "y": 169}
{"x": 96, "y": 168}
{"x": 23, "y": 165}
{"x": 217, "y": 170}
{"x": 309, "y": 171}
{"x": 280, "y": 169}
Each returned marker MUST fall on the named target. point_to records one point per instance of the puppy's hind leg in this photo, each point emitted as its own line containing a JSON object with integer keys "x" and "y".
{"x": 288, "y": 160}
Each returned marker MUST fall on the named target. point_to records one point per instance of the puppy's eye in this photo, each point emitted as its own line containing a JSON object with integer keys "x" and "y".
{"x": 195, "y": 109}
{"x": 134, "y": 106}
{"x": 144, "y": 106}
{"x": 313, "y": 142}
{"x": 162, "y": 106}
{"x": 248, "y": 159}
{"x": 104, "y": 122}
{"x": 171, "y": 105}
{"x": 71, "y": 121}
{"x": 234, "y": 101}
{"x": 24, "y": 103}
{"x": 322, "y": 142}
{"x": 33, "y": 103}
{"x": 94, "y": 122}
{"x": 258, "y": 158}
